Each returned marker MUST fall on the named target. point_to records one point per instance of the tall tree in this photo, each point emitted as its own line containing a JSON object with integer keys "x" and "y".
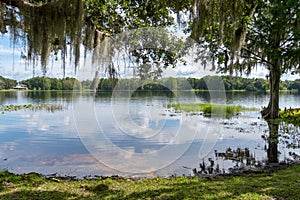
{"x": 236, "y": 35}
{"x": 55, "y": 26}
{"x": 239, "y": 35}
{"x": 273, "y": 39}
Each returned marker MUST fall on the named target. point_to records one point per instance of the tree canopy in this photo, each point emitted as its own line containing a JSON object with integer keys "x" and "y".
{"x": 239, "y": 35}
{"x": 233, "y": 35}
{"x": 44, "y": 29}
{"x": 49, "y": 27}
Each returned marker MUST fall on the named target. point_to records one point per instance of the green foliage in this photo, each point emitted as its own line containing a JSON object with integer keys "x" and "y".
{"x": 164, "y": 84}
{"x": 111, "y": 16}
{"x": 220, "y": 28}
{"x": 290, "y": 115}
{"x": 136, "y": 84}
{"x": 239, "y": 35}
{"x": 231, "y": 83}
{"x": 232, "y": 34}
{"x": 87, "y": 84}
{"x": 6, "y": 83}
{"x": 44, "y": 28}
{"x": 210, "y": 109}
{"x": 259, "y": 32}
{"x": 50, "y": 27}
{"x": 107, "y": 85}
{"x": 282, "y": 184}
{"x": 294, "y": 85}
{"x": 46, "y": 83}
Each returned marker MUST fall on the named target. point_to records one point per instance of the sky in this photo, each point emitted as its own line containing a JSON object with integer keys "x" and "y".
{"x": 14, "y": 67}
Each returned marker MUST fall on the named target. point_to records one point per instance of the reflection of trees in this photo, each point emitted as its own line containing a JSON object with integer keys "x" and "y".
{"x": 290, "y": 138}
{"x": 277, "y": 132}
{"x": 245, "y": 161}
{"x": 4, "y": 96}
{"x": 47, "y": 95}
{"x": 290, "y": 135}
{"x": 141, "y": 94}
{"x": 286, "y": 134}
{"x": 272, "y": 150}
{"x": 241, "y": 157}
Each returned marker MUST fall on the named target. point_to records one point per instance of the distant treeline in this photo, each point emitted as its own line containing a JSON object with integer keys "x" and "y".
{"x": 239, "y": 83}
{"x": 6, "y": 83}
{"x": 164, "y": 84}
{"x": 46, "y": 83}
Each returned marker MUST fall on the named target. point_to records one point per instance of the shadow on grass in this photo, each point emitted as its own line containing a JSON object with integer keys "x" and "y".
{"x": 283, "y": 184}
{"x": 166, "y": 193}
{"x": 100, "y": 191}
{"x": 35, "y": 195}
{"x": 262, "y": 186}
{"x": 103, "y": 191}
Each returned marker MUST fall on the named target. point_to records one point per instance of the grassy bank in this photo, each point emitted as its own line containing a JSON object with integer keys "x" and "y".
{"x": 282, "y": 184}
{"x": 210, "y": 109}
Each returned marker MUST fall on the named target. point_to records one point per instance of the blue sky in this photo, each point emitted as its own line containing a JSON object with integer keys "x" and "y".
{"x": 14, "y": 67}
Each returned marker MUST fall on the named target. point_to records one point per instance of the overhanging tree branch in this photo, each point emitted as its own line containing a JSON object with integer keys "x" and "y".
{"x": 19, "y": 3}
{"x": 257, "y": 56}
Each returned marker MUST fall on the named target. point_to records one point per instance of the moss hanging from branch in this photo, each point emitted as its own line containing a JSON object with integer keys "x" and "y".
{"x": 48, "y": 28}
{"x": 221, "y": 23}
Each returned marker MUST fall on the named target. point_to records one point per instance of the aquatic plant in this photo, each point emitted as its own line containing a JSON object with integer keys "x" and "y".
{"x": 48, "y": 107}
{"x": 210, "y": 110}
{"x": 291, "y": 116}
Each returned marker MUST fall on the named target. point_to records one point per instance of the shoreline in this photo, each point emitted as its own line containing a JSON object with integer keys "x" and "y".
{"x": 270, "y": 168}
{"x": 279, "y": 184}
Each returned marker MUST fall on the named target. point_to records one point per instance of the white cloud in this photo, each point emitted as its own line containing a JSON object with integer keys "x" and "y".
{"x": 4, "y": 50}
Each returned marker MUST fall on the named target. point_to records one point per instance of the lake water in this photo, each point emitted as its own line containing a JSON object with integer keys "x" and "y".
{"x": 134, "y": 134}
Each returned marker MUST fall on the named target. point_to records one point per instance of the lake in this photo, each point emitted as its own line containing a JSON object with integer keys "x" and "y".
{"x": 136, "y": 134}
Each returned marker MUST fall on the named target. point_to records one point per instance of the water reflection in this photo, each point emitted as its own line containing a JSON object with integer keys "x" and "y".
{"x": 48, "y": 142}
{"x": 272, "y": 150}
{"x": 242, "y": 158}
{"x": 7, "y": 97}
{"x": 254, "y": 98}
{"x": 245, "y": 161}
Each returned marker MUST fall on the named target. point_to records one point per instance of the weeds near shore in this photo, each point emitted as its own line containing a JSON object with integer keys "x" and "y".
{"x": 210, "y": 110}
{"x": 291, "y": 116}
{"x": 48, "y": 107}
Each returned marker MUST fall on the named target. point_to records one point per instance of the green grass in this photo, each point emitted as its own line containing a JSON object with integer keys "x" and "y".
{"x": 210, "y": 109}
{"x": 282, "y": 184}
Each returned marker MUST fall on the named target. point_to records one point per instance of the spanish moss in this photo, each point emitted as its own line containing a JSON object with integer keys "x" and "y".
{"x": 51, "y": 28}
{"x": 222, "y": 19}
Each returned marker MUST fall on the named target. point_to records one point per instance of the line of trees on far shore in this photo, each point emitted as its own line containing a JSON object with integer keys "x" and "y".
{"x": 105, "y": 84}
{"x": 6, "y": 83}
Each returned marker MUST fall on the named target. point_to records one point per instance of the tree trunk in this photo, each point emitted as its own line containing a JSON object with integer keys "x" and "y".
{"x": 272, "y": 111}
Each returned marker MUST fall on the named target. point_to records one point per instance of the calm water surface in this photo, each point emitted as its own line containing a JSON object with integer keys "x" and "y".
{"x": 132, "y": 133}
